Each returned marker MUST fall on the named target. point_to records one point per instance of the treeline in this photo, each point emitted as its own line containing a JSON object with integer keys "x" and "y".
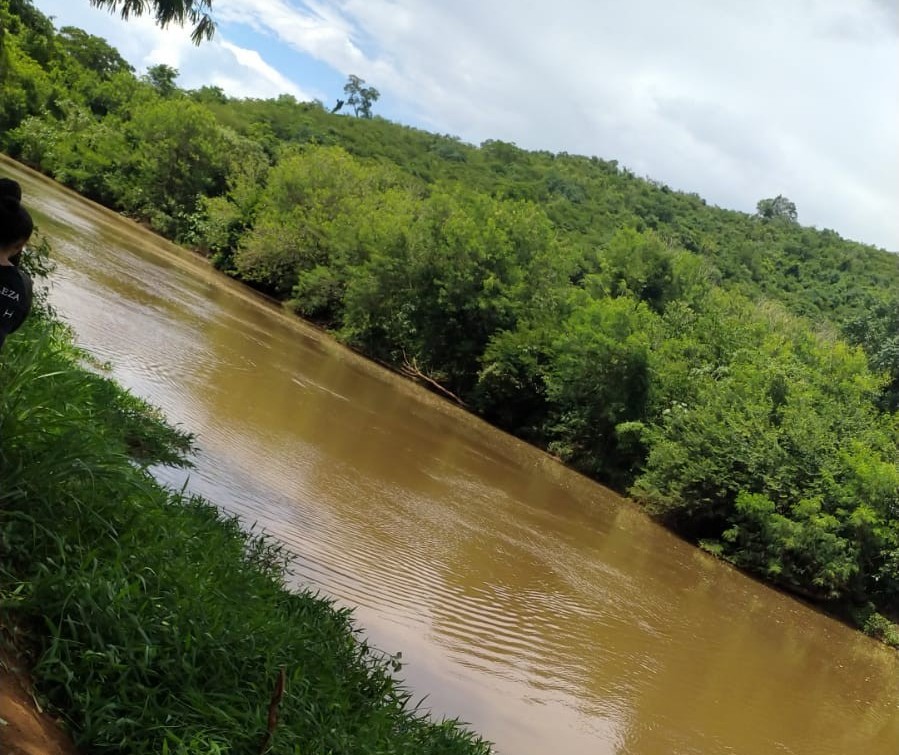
{"x": 738, "y": 374}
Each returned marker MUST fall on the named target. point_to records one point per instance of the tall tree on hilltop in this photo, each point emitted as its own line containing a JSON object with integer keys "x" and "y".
{"x": 359, "y": 96}
{"x": 162, "y": 77}
{"x": 196, "y": 12}
{"x": 778, "y": 208}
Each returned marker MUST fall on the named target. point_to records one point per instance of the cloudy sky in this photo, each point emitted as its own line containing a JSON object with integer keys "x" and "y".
{"x": 732, "y": 99}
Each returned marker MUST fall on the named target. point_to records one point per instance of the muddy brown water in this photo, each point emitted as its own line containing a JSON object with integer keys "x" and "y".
{"x": 535, "y": 604}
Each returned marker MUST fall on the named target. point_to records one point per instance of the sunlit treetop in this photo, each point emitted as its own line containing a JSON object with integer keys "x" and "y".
{"x": 196, "y": 12}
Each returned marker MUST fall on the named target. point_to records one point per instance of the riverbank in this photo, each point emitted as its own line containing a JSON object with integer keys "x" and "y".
{"x": 26, "y": 729}
{"x": 732, "y": 372}
{"x": 155, "y": 624}
{"x": 502, "y": 576}
{"x": 859, "y": 615}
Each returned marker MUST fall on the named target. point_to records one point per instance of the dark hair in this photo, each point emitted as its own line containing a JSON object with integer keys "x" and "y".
{"x": 10, "y": 188}
{"x": 15, "y": 222}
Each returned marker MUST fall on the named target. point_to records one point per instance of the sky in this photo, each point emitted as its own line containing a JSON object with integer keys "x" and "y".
{"x": 733, "y": 100}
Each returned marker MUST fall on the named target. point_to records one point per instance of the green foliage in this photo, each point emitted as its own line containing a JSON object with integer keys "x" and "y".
{"x": 91, "y": 53}
{"x": 638, "y": 264}
{"x": 877, "y": 331}
{"x": 801, "y": 548}
{"x": 25, "y": 88}
{"x": 597, "y": 380}
{"x": 76, "y": 149}
{"x": 881, "y": 628}
{"x": 320, "y": 208}
{"x": 179, "y": 155}
{"x": 220, "y": 221}
{"x": 776, "y": 450}
{"x": 465, "y": 267}
{"x": 360, "y": 97}
{"x": 162, "y": 78}
{"x": 196, "y": 12}
{"x": 779, "y": 208}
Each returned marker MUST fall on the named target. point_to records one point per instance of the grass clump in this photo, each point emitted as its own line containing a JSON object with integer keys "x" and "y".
{"x": 156, "y": 624}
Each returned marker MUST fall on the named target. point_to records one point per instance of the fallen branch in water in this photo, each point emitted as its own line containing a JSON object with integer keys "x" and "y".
{"x": 412, "y": 370}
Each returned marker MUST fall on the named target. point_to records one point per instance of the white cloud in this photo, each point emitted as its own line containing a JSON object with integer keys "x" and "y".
{"x": 238, "y": 71}
{"x": 733, "y": 100}
{"x": 252, "y": 61}
{"x": 316, "y": 29}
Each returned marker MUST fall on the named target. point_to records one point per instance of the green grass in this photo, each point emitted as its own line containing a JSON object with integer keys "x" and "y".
{"x": 156, "y": 624}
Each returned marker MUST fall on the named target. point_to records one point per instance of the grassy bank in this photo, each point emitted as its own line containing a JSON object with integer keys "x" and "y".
{"x": 155, "y": 624}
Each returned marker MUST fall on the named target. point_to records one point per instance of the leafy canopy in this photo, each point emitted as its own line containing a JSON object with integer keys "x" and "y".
{"x": 196, "y": 12}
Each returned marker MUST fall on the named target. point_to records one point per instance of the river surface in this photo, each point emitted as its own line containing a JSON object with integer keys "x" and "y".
{"x": 527, "y": 600}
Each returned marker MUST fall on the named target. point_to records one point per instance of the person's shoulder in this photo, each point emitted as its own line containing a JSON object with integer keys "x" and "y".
{"x": 27, "y": 282}
{"x": 14, "y": 278}
{"x": 10, "y": 271}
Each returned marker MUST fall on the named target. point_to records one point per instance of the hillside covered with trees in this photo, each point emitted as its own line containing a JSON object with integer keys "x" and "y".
{"x": 738, "y": 374}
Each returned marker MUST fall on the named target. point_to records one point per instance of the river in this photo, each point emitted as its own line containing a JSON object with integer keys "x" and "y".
{"x": 540, "y": 607}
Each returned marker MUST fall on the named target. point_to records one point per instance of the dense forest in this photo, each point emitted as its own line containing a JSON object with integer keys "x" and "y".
{"x": 738, "y": 374}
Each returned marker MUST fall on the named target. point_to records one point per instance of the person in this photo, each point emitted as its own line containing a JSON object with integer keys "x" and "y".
{"x": 16, "y": 227}
{"x": 10, "y": 188}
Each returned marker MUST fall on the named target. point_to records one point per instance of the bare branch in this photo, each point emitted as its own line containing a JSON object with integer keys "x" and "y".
{"x": 411, "y": 369}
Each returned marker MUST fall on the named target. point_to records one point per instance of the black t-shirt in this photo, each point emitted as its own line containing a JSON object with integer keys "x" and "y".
{"x": 15, "y": 299}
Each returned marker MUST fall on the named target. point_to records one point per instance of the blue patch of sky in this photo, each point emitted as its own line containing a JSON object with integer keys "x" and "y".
{"x": 312, "y": 76}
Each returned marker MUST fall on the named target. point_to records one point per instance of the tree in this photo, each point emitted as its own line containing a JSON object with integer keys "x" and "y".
{"x": 195, "y": 12}
{"x": 209, "y": 94}
{"x": 779, "y": 208}
{"x": 180, "y": 155}
{"x": 360, "y": 97}
{"x": 876, "y": 330}
{"x": 317, "y": 210}
{"x": 464, "y": 267}
{"x": 597, "y": 378}
{"x": 92, "y": 53}
{"x": 25, "y": 89}
{"x": 162, "y": 77}
{"x": 636, "y": 263}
